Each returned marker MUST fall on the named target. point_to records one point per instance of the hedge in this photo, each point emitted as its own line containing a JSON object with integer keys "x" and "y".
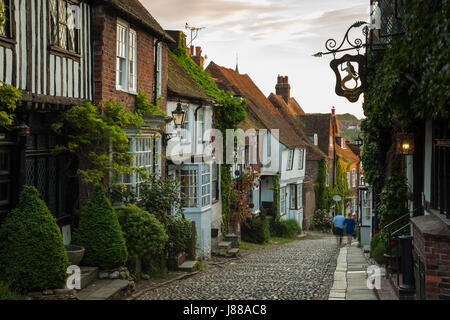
{"x": 256, "y": 230}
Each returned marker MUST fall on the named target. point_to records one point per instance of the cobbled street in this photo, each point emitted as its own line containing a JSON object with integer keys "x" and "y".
{"x": 300, "y": 270}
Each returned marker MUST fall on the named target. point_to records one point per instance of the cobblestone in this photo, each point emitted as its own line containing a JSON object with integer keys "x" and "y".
{"x": 297, "y": 270}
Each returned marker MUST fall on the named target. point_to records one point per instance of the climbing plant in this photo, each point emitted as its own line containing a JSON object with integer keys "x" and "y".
{"x": 321, "y": 189}
{"x": 96, "y": 136}
{"x": 9, "y": 95}
{"x": 341, "y": 185}
{"x": 407, "y": 84}
{"x": 276, "y": 198}
{"x": 239, "y": 189}
{"x": 229, "y": 112}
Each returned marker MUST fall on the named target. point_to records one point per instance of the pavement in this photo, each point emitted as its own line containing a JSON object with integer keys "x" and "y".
{"x": 350, "y": 277}
{"x": 299, "y": 270}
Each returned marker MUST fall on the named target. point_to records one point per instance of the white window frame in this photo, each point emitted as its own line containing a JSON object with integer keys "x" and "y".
{"x": 126, "y": 52}
{"x": 158, "y": 68}
{"x": 206, "y": 185}
{"x": 354, "y": 178}
{"x": 290, "y": 160}
{"x": 292, "y": 196}
{"x": 301, "y": 159}
{"x": 299, "y": 196}
{"x": 282, "y": 200}
{"x": 349, "y": 181}
{"x": 141, "y": 159}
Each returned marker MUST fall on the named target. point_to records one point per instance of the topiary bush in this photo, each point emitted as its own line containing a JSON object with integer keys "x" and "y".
{"x": 144, "y": 234}
{"x": 179, "y": 231}
{"x": 32, "y": 252}
{"x": 100, "y": 234}
{"x": 256, "y": 230}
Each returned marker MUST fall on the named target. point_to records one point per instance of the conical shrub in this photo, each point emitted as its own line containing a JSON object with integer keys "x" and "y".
{"x": 100, "y": 234}
{"x": 32, "y": 253}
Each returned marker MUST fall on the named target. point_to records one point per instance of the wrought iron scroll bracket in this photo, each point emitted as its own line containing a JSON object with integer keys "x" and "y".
{"x": 347, "y": 44}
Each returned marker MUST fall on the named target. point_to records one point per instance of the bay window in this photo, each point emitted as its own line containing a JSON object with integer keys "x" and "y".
{"x": 206, "y": 185}
{"x": 189, "y": 187}
{"x": 196, "y": 185}
{"x": 126, "y": 56}
{"x": 143, "y": 149}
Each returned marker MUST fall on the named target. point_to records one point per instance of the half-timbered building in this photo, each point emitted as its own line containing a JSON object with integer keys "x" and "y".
{"x": 45, "y": 51}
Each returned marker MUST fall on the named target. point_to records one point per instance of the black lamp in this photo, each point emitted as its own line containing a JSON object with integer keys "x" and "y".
{"x": 179, "y": 116}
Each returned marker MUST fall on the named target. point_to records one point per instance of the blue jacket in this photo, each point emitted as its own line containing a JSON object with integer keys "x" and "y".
{"x": 350, "y": 226}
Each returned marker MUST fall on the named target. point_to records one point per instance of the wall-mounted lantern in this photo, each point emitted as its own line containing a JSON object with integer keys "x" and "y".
{"x": 405, "y": 143}
{"x": 179, "y": 116}
{"x": 23, "y": 130}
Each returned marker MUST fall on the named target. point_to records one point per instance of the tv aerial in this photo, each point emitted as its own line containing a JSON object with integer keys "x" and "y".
{"x": 194, "y": 32}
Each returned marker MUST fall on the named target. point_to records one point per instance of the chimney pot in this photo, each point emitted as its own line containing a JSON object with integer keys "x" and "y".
{"x": 198, "y": 51}
{"x": 283, "y": 88}
{"x": 333, "y": 111}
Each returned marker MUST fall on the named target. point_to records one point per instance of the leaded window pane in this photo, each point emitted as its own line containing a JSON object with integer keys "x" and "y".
{"x": 53, "y": 6}
{"x": 189, "y": 187}
{"x": 62, "y": 22}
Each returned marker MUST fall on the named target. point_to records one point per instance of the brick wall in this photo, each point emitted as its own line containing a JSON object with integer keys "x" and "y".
{"x": 432, "y": 245}
{"x": 104, "y": 27}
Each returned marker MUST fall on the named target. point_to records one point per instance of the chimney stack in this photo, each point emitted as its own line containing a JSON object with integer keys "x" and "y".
{"x": 197, "y": 56}
{"x": 283, "y": 88}
{"x": 333, "y": 111}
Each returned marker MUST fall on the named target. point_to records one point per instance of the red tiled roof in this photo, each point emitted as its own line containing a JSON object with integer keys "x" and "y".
{"x": 293, "y": 108}
{"x": 346, "y": 154}
{"x": 259, "y": 107}
{"x": 313, "y": 152}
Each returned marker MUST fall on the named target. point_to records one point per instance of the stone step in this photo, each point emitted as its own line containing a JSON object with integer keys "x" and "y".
{"x": 225, "y": 245}
{"x": 233, "y": 252}
{"x": 103, "y": 290}
{"x": 88, "y": 276}
{"x": 187, "y": 266}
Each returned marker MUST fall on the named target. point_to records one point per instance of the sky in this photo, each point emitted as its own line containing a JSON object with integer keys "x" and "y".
{"x": 271, "y": 38}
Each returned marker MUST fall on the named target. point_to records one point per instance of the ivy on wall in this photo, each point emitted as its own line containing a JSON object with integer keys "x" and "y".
{"x": 321, "y": 189}
{"x": 276, "y": 198}
{"x": 229, "y": 112}
{"x": 408, "y": 83}
{"x": 341, "y": 186}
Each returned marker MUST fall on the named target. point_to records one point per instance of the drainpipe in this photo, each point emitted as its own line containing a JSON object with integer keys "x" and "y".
{"x": 155, "y": 74}
{"x": 196, "y": 126}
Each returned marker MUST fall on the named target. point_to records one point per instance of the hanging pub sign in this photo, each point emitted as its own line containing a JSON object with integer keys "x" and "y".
{"x": 350, "y": 76}
{"x": 350, "y": 69}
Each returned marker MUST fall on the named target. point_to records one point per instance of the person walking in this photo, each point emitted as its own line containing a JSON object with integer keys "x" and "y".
{"x": 350, "y": 228}
{"x": 338, "y": 231}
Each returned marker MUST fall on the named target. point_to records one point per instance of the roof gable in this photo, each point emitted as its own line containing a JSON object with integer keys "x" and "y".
{"x": 258, "y": 105}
